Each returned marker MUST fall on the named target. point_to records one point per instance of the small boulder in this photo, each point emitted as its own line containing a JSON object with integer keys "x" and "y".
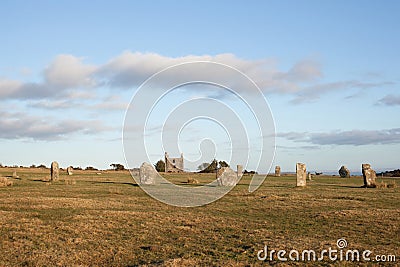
{"x": 5, "y": 182}
{"x": 192, "y": 180}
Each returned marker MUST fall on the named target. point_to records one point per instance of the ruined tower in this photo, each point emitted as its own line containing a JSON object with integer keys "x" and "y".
{"x": 173, "y": 164}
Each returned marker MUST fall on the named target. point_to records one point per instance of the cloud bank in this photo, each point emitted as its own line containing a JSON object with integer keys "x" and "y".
{"x": 353, "y": 137}
{"x": 390, "y": 100}
{"x": 21, "y": 126}
{"x": 67, "y": 74}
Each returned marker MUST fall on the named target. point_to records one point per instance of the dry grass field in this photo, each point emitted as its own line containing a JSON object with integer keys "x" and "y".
{"x": 107, "y": 220}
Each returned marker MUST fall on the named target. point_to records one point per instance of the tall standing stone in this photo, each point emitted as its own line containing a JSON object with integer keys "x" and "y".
{"x": 54, "y": 171}
{"x": 239, "y": 170}
{"x": 277, "y": 171}
{"x": 369, "y": 175}
{"x": 70, "y": 170}
{"x": 301, "y": 174}
{"x": 14, "y": 175}
{"x": 309, "y": 176}
{"x": 147, "y": 173}
{"x": 344, "y": 172}
{"x": 227, "y": 177}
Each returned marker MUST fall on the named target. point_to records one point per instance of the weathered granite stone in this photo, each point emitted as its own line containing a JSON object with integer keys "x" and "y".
{"x": 14, "y": 175}
{"x": 344, "y": 172}
{"x": 5, "y": 182}
{"x": 277, "y": 171}
{"x": 369, "y": 175}
{"x": 192, "y": 180}
{"x": 147, "y": 173}
{"x": 301, "y": 174}
{"x": 227, "y": 177}
{"x": 70, "y": 170}
{"x": 54, "y": 171}
{"x": 309, "y": 176}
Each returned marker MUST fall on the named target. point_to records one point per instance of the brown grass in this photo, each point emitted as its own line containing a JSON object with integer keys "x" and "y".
{"x": 107, "y": 220}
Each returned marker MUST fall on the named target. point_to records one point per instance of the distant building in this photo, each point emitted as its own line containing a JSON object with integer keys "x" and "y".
{"x": 173, "y": 164}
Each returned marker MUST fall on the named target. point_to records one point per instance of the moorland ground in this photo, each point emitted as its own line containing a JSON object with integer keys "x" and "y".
{"x": 89, "y": 219}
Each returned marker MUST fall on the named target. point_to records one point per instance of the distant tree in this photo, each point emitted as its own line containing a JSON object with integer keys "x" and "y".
{"x": 1, "y": 165}
{"x": 32, "y": 166}
{"x": 117, "y": 166}
{"x": 77, "y": 168}
{"x": 42, "y": 166}
{"x": 223, "y": 164}
{"x": 211, "y": 167}
{"x": 160, "y": 166}
{"x": 203, "y": 166}
{"x": 249, "y": 172}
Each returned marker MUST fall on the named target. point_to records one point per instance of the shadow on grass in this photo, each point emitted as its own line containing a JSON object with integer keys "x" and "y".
{"x": 339, "y": 185}
{"x": 111, "y": 182}
{"x": 40, "y": 180}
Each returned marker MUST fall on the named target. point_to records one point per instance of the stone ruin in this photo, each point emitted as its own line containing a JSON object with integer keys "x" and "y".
{"x": 301, "y": 174}
{"x": 277, "y": 171}
{"x": 174, "y": 164}
{"x": 226, "y": 177}
{"x": 344, "y": 172}
{"x": 147, "y": 174}
{"x": 54, "y": 171}
{"x": 70, "y": 170}
{"x": 369, "y": 176}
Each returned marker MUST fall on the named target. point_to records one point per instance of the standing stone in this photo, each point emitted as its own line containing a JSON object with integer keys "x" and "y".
{"x": 69, "y": 170}
{"x": 14, "y": 175}
{"x": 227, "y": 177}
{"x": 344, "y": 172}
{"x": 239, "y": 170}
{"x": 301, "y": 174}
{"x": 309, "y": 176}
{"x": 277, "y": 171}
{"x": 369, "y": 175}
{"x": 54, "y": 171}
{"x": 147, "y": 173}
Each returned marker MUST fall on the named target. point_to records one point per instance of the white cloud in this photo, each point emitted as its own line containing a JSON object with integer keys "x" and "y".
{"x": 353, "y": 137}
{"x": 24, "y": 126}
{"x": 111, "y": 103}
{"x": 390, "y": 100}
{"x": 53, "y": 104}
{"x": 8, "y": 87}
{"x": 313, "y": 92}
{"x": 65, "y": 74}
{"x": 68, "y": 71}
{"x": 131, "y": 69}
{"x": 68, "y": 75}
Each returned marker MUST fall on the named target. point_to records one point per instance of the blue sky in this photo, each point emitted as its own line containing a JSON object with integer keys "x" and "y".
{"x": 328, "y": 69}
